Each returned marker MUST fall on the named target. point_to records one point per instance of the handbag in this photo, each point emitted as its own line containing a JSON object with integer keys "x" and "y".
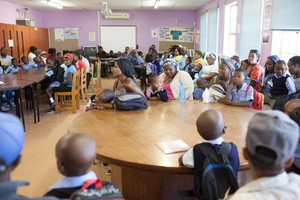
{"x": 130, "y": 101}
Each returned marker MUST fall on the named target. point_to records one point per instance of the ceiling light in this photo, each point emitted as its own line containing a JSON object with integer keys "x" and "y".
{"x": 156, "y": 4}
{"x": 54, "y": 4}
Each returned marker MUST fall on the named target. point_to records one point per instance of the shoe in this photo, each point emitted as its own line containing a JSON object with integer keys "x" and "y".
{"x": 6, "y": 105}
{"x": 5, "y": 109}
{"x": 12, "y": 104}
{"x": 52, "y": 106}
{"x": 50, "y": 111}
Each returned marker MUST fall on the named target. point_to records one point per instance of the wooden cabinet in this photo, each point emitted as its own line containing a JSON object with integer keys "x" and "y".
{"x": 23, "y": 37}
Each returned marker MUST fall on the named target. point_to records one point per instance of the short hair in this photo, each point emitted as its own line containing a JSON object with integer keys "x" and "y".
{"x": 32, "y": 49}
{"x": 108, "y": 95}
{"x": 295, "y": 115}
{"x": 23, "y": 57}
{"x": 149, "y": 58}
{"x": 281, "y": 62}
{"x": 13, "y": 59}
{"x": 236, "y": 58}
{"x": 256, "y": 52}
{"x": 151, "y": 78}
{"x": 140, "y": 53}
{"x": 240, "y": 70}
{"x": 51, "y": 51}
{"x": 295, "y": 60}
{"x": 189, "y": 58}
{"x": 100, "y": 47}
{"x": 201, "y": 81}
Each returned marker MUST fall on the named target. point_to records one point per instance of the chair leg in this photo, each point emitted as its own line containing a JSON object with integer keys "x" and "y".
{"x": 56, "y": 103}
{"x": 73, "y": 104}
{"x": 83, "y": 94}
{"x": 86, "y": 94}
{"x": 77, "y": 101}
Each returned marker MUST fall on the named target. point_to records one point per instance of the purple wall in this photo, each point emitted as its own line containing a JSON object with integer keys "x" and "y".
{"x": 85, "y": 21}
{"x": 145, "y": 20}
{"x": 9, "y": 14}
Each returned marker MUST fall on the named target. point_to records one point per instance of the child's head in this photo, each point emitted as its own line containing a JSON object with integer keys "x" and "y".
{"x": 280, "y": 67}
{"x": 37, "y": 59}
{"x": 154, "y": 81}
{"x": 188, "y": 60}
{"x": 270, "y": 64}
{"x": 75, "y": 153}
{"x": 14, "y": 62}
{"x": 58, "y": 55}
{"x": 166, "y": 54}
{"x": 106, "y": 96}
{"x": 38, "y": 52}
{"x": 226, "y": 68}
{"x": 44, "y": 54}
{"x": 294, "y": 65}
{"x": 32, "y": 49}
{"x": 148, "y": 58}
{"x": 154, "y": 56}
{"x": 52, "y": 51}
{"x": 197, "y": 54}
{"x": 140, "y": 53}
{"x": 245, "y": 64}
{"x": 210, "y": 124}
{"x": 24, "y": 59}
{"x": 236, "y": 58}
{"x": 239, "y": 77}
{"x": 269, "y": 146}
{"x": 291, "y": 105}
{"x": 253, "y": 57}
{"x": 111, "y": 52}
{"x": 201, "y": 83}
{"x": 295, "y": 115}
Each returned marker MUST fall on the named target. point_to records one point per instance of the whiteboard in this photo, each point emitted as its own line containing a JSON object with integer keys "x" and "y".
{"x": 116, "y": 38}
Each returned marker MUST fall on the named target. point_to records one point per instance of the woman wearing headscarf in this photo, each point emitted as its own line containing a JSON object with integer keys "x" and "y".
{"x": 172, "y": 77}
{"x": 210, "y": 70}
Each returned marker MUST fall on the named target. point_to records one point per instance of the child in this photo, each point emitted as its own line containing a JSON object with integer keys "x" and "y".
{"x": 236, "y": 58}
{"x": 155, "y": 91}
{"x": 164, "y": 57}
{"x": 271, "y": 142}
{"x": 25, "y": 64}
{"x": 14, "y": 68}
{"x": 140, "y": 59}
{"x": 269, "y": 72}
{"x": 239, "y": 93}
{"x": 294, "y": 69}
{"x": 75, "y": 154}
{"x": 44, "y": 56}
{"x": 39, "y": 62}
{"x": 188, "y": 64}
{"x": 105, "y": 96}
{"x": 149, "y": 65}
{"x": 282, "y": 85}
{"x": 201, "y": 85}
{"x": 156, "y": 62}
{"x": 210, "y": 126}
{"x": 255, "y": 71}
{"x": 79, "y": 64}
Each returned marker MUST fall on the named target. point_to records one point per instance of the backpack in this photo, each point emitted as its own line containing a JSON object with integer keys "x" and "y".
{"x": 258, "y": 99}
{"x": 217, "y": 176}
{"x": 131, "y": 101}
{"x": 95, "y": 189}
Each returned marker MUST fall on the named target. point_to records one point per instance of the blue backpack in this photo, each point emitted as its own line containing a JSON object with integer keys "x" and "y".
{"x": 217, "y": 176}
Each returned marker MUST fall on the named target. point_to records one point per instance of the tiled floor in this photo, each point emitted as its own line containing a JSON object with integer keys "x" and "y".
{"x": 38, "y": 160}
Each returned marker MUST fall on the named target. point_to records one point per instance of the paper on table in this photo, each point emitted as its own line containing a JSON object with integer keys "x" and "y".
{"x": 172, "y": 146}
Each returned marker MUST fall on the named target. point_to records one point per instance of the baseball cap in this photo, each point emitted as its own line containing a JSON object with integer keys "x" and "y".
{"x": 274, "y": 131}
{"x": 69, "y": 56}
{"x": 44, "y": 52}
{"x": 12, "y": 139}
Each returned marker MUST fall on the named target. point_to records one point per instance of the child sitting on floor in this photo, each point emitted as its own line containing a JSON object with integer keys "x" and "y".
{"x": 201, "y": 85}
{"x": 155, "y": 91}
{"x": 105, "y": 96}
{"x": 75, "y": 154}
{"x": 239, "y": 93}
{"x": 210, "y": 126}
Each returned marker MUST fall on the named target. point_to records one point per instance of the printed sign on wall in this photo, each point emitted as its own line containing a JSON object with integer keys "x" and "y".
{"x": 176, "y": 34}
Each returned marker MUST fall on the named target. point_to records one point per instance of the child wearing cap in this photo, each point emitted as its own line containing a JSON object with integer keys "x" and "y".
{"x": 210, "y": 127}
{"x": 66, "y": 85}
{"x": 12, "y": 139}
{"x": 271, "y": 141}
{"x": 75, "y": 154}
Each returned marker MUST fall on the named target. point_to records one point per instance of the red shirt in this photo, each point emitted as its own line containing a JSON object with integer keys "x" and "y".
{"x": 79, "y": 65}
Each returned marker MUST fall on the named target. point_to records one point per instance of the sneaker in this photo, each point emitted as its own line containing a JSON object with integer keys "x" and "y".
{"x": 52, "y": 106}
{"x": 5, "y": 109}
{"x": 12, "y": 104}
{"x": 51, "y": 111}
{"x": 6, "y": 105}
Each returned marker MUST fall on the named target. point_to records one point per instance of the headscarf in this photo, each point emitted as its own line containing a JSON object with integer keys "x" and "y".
{"x": 172, "y": 63}
{"x": 274, "y": 58}
{"x": 213, "y": 56}
{"x": 199, "y": 53}
{"x": 230, "y": 64}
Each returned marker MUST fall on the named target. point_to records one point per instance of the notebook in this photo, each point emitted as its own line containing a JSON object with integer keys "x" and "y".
{"x": 172, "y": 146}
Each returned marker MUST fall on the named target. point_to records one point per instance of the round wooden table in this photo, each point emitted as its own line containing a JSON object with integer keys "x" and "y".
{"x": 128, "y": 140}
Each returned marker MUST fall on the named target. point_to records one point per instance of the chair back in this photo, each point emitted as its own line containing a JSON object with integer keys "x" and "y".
{"x": 83, "y": 77}
{"x": 76, "y": 82}
{"x": 92, "y": 70}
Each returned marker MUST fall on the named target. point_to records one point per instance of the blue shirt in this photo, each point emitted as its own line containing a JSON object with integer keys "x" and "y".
{"x": 28, "y": 65}
{"x": 140, "y": 60}
{"x": 71, "y": 70}
{"x": 242, "y": 95}
{"x": 12, "y": 69}
{"x": 198, "y": 92}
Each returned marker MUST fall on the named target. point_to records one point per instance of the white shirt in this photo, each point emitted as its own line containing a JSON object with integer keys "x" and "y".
{"x": 31, "y": 56}
{"x": 207, "y": 69}
{"x": 73, "y": 181}
{"x": 280, "y": 187}
{"x": 86, "y": 64}
{"x": 188, "y": 157}
{"x": 7, "y": 60}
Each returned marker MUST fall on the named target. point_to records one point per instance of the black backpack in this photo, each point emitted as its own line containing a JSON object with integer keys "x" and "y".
{"x": 217, "y": 175}
{"x": 131, "y": 101}
{"x": 96, "y": 190}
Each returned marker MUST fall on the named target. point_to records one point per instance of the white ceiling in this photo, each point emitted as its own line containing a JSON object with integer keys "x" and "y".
{"x": 114, "y": 4}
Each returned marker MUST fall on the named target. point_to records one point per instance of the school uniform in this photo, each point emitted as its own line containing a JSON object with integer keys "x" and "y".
{"x": 242, "y": 95}
{"x": 28, "y": 65}
{"x": 12, "y": 69}
{"x": 281, "y": 186}
{"x": 282, "y": 85}
{"x": 162, "y": 94}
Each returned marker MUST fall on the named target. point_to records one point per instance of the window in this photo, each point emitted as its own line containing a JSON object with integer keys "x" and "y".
{"x": 286, "y": 44}
{"x": 203, "y": 30}
{"x": 230, "y": 29}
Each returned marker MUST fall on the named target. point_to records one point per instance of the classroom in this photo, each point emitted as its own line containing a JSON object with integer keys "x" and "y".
{"x": 150, "y": 99}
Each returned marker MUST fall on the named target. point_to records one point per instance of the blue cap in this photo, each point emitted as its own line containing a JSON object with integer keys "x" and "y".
{"x": 11, "y": 139}
{"x": 274, "y": 58}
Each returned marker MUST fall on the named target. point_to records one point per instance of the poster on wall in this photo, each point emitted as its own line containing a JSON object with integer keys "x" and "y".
{"x": 176, "y": 34}
{"x": 71, "y": 33}
{"x": 59, "y": 35}
{"x": 154, "y": 33}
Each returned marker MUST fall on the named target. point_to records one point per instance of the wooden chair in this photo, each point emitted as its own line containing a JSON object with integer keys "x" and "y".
{"x": 98, "y": 81}
{"x": 92, "y": 82}
{"x": 83, "y": 88}
{"x": 74, "y": 93}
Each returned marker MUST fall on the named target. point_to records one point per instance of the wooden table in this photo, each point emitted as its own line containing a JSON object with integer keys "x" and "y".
{"x": 127, "y": 139}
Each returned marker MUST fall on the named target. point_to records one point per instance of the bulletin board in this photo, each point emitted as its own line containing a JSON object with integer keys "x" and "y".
{"x": 67, "y": 43}
{"x": 181, "y": 36}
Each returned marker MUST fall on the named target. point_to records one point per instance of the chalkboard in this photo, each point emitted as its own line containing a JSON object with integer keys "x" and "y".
{"x": 116, "y": 38}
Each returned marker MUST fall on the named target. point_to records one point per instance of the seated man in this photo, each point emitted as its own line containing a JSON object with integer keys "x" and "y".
{"x": 271, "y": 142}
{"x": 11, "y": 143}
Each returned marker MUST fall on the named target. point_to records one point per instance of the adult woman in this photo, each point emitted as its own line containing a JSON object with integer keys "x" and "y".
{"x": 172, "y": 77}
{"x": 269, "y": 72}
{"x": 125, "y": 83}
{"x": 255, "y": 71}
{"x": 226, "y": 70}
{"x": 210, "y": 70}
